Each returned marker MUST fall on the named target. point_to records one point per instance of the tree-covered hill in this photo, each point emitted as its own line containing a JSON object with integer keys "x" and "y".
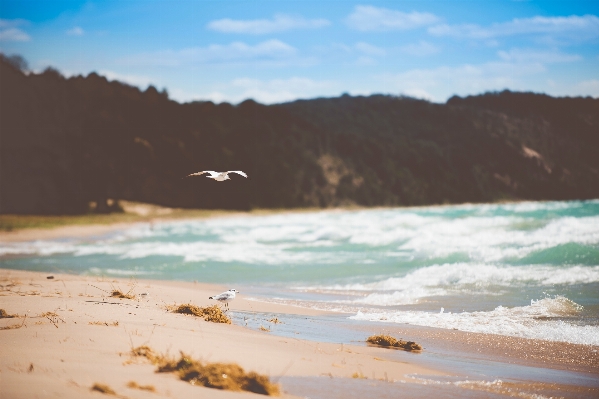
{"x": 66, "y": 142}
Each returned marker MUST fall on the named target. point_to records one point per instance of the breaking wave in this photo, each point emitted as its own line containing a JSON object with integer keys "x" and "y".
{"x": 542, "y": 319}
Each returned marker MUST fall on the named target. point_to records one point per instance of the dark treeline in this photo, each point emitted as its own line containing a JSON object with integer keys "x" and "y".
{"x": 66, "y": 142}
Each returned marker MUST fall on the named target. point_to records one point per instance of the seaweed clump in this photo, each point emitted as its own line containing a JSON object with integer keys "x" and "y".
{"x": 390, "y": 342}
{"x": 225, "y": 376}
{"x": 211, "y": 313}
{"x": 4, "y": 315}
{"x": 135, "y": 385}
{"x": 103, "y": 388}
{"x": 120, "y": 294}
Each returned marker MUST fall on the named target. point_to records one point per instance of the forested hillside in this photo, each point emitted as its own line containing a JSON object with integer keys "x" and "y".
{"x": 67, "y": 142}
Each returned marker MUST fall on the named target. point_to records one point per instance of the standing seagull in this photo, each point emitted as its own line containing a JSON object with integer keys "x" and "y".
{"x": 218, "y": 176}
{"x": 225, "y": 297}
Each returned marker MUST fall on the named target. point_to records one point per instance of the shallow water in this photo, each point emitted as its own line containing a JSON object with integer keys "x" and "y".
{"x": 526, "y": 269}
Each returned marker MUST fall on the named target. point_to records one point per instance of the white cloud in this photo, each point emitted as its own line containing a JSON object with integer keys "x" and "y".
{"x": 369, "y": 49}
{"x": 582, "y": 27}
{"x": 420, "y": 49}
{"x": 11, "y": 23}
{"x": 263, "y": 91}
{"x": 440, "y": 83}
{"x": 365, "y": 61}
{"x": 279, "y": 23}
{"x": 588, "y": 88}
{"x": 9, "y": 31}
{"x": 75, "y": 31}
{"x": 532, "y": 55}
{"x": 270, "y": 51}
{"x": 369, "y": 18}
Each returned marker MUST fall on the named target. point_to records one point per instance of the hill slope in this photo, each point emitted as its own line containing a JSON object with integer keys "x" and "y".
{"x": 66, "y": 142}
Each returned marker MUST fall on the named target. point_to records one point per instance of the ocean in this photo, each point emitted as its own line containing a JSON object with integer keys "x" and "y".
{"x": 527, "y": 269}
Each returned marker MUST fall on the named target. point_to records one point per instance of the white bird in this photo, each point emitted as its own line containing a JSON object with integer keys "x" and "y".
{"x": 218, "y": 176}
{"x": 225, "y": 297}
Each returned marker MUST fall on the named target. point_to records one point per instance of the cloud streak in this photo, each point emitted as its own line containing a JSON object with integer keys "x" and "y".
{"x": 532, "y": 55}
{"x": 264, "y": 91}
{"x": 370, "y": 18}
{"x": 420, "y": 49}
{"x": 279, "y": 23}
{"x": 10, "y": 31}
{"x": 583, "y": 27}
{"x": 438, "y": 84}
{"x": 75, "y": 31}
{"x": 270, "y": 51}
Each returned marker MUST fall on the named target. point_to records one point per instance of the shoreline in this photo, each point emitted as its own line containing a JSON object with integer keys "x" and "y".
{"x": 66, "y": 352}
{"x": 146, "y": 215}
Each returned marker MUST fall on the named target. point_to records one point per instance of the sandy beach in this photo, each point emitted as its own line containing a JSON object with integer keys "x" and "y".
{"x": 68, "y": 333}
{"x": 73, "y": 335}
{"x": 87, "y": 339}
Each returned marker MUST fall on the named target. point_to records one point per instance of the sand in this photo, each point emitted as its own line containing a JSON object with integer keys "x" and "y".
{"x": 73, "y": 335}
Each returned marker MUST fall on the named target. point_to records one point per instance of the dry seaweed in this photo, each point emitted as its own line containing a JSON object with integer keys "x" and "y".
{"x": 211, "y": 313}
{"x": 15, "y": 326}
{"x": 135, "y": 385}
{"x": 53, "y": 317}
{"x": 275, "y": 320}
{"x": 359, "y": 376}
{"x": 4, "y": 315}
{"x": 148, "y": 353}
{"x": 226, "y": 376}
{"x": 103, "y": 388}
{"x": 104, "y": 323}
{"x": 390, "y": 342}
{"x": 117, "y": 293}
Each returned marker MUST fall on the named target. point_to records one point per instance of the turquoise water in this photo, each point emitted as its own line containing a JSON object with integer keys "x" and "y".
{"x": 526, "y": 269}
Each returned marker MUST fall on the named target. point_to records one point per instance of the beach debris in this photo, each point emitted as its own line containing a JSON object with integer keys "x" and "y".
{"x": 30, "y": 369}
{"x": 211, "y": 313}
{"x": 104, "y": 323}
{"x": 50, "y": 277}
{"x": 5, "y": 315}
{"x": 226, "y": 376}
{"x": 15, "y": 326}
{"x": 135, "y": 385}
{"x": 262, "y": 328}
{"x": 53, "y": 317}
{"x": 390, "y": 342}
{"x": 103, "y": 388}
{"x": 359, "y": 376}
{"x": 274, "y": 320}
{"x": 118, "y": 293}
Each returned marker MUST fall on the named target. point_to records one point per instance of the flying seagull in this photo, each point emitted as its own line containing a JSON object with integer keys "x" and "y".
{"x": 225, "y": 297}
{"x": 218, "y": 176}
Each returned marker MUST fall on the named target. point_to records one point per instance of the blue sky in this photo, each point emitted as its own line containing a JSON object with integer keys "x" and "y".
{"x": 276, "y": 51}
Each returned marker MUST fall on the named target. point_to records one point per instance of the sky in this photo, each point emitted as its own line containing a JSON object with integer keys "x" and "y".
{"x": 279, "y": 51}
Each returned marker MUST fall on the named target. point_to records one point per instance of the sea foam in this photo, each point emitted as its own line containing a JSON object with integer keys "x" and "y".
{"x": 539, "y": 320}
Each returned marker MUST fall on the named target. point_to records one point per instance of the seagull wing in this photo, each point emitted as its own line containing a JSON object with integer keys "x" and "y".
{"x": 224, "y": 295}
{"x": 238, "y": 172}
{"x": 212, "y": 173}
